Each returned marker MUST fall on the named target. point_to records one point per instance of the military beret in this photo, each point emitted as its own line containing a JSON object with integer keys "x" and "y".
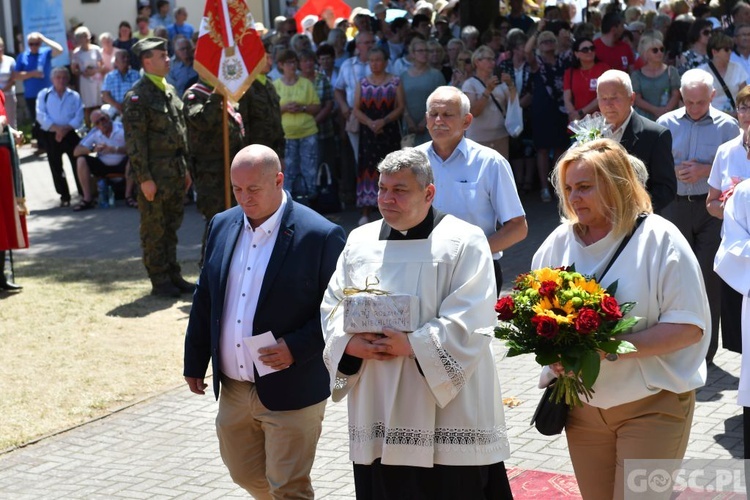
{"x": 149, "y": 43}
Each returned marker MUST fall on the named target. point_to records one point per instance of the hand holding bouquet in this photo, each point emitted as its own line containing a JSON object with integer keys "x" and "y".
{"x": 564, "y": 317}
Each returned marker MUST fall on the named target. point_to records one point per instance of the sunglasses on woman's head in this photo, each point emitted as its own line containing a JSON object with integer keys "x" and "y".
{"x": 656, "y": 50}
{"x": 586, "y": 49}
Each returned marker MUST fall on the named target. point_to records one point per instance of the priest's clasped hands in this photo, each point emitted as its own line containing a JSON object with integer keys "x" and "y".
{"x": 388, "y": 345}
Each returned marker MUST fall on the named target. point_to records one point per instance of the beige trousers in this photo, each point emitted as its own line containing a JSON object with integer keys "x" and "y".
{"x": 599, "y": 441}
{"x": 502, "y": 146}
{"x": 269, "y": 453}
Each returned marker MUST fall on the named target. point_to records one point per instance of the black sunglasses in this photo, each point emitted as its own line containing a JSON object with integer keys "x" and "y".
{"x": 656, "y": 50}
{"x": 586, "y": 49}
{"x": 467, "y": 60}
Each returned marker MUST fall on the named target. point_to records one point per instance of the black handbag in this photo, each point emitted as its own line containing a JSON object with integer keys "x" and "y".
{"x": 550, "y": 417}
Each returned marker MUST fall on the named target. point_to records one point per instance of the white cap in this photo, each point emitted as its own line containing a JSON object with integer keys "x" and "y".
{"x": 309, "y": 21}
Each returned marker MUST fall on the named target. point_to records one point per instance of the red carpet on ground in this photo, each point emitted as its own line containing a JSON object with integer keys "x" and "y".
{"x": 533, "y": 484}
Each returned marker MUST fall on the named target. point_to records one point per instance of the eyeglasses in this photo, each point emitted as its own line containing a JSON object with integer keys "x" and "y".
{"x": 741, "y": 110}
{"x": 586, "y": 49}
{"x": 485, "y": 59}
{"x": 656, "y": 50}
{"x": 465, "y": 61}
{"x": 706, "y": 32}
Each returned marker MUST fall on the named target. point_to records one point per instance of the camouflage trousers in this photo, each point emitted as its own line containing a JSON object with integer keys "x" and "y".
{"x": 160, "y": 220}
{"x": 208, "y": 179}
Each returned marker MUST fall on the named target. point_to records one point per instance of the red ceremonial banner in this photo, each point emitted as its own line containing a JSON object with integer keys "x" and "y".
{"x": 229, "y": 53}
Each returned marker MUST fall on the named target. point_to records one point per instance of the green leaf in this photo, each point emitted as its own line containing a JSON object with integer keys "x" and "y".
{"x": 624, "y": 325}
{"x": 625, "y": 347}
{"x": 590, "y": 364}
{"x": 611, "y": 289}
{"x": 609, "y": 346}
{"x": 546, "y": 358}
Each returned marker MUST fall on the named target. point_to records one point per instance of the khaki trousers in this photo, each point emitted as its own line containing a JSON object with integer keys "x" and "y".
{"x": 269, "y": 453}
{"x": 599, "y": 441}
{"x": 502, "y": 146}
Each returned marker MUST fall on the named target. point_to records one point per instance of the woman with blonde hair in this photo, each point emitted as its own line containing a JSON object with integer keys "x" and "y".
{"x": 656, "y": 84}
{"x": 643, "y": 401}
{"x": 489, "y": 98}
{"x": 87, "y": 64}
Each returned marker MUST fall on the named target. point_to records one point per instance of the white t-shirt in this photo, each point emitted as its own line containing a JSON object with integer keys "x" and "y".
{"x": 116, "y": 140}
{"x": 660, "y": 273}
{"x": 7, "y": 67}
{"x": 735, "y": 79}
{"x": 730, "y": 164}
{"x": 490, "y": 125}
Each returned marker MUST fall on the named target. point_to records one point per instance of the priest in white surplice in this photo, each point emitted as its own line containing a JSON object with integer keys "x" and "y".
{"x": 425, "y": 411}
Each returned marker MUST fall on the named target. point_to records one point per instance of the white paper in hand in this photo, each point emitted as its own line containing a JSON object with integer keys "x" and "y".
{"x": 256, "y": 342}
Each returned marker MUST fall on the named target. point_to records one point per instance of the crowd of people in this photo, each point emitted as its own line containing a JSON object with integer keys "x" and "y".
{"x": 410, "y": 116}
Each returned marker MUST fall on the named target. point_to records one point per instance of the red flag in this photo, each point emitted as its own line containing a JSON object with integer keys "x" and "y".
{"x": 229, "y": 53}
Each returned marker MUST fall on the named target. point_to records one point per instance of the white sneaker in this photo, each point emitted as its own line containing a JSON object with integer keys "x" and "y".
{"x": 363, "y": 220}
{"x": 546, "y": 196}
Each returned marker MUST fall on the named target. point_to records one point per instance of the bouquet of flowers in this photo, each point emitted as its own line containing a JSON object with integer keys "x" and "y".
{"x": 590, "y": 128}
{"x": 562, "y": 316}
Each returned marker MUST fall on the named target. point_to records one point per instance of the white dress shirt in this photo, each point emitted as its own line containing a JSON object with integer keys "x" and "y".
{"x": 246, "y": 271}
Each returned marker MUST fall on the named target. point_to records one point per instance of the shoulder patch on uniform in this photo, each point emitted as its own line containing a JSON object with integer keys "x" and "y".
{"x": 133, "y": 98}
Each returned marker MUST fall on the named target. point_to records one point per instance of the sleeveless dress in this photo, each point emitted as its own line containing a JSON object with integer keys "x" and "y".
{"x": 377, "y": 101}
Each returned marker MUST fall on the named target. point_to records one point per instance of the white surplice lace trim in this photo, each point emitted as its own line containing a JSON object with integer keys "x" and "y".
{"x": 443, "y": 438}
{"x": 451, "y": 368}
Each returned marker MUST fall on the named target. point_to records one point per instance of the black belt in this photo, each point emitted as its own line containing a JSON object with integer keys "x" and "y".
{"x": 692, "y": 197}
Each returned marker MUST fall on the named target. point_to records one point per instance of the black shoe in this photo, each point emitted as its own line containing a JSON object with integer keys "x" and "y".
{"x": 165, "y": 290}
{"x": 64, "y": 203}
{"x": 84, "y": 205}
{"x": 10, "y": 286}
{"x": 183, "y": 285}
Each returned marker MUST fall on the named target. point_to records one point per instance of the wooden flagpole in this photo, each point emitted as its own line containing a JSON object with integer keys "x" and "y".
{"x": 227, "y": 160}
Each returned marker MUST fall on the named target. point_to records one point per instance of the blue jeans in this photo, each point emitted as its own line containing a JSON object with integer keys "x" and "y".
{"x": 300, "y": 176}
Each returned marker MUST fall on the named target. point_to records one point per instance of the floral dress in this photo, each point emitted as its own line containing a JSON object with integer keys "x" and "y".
{"x": 376, "y": 101}
{"x": 548, "y": 116}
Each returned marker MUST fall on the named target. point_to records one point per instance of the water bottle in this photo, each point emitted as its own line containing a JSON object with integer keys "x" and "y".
{"x": 111, "y": 196}
{"x": 101, "y": 186}
{"x": 664, "y": 97}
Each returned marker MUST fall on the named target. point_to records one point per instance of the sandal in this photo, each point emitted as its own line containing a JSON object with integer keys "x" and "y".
{"x": 131, "y": 202}
{"x": 84, "y": 205}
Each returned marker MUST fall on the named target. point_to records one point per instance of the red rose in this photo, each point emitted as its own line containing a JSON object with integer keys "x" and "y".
{"x": 545, "y": 326}
{"x": 548, "y": 289}
{"x": 505, "y": 308}
{"x": 588, "y": 321}
{"x": 610, "y": 308}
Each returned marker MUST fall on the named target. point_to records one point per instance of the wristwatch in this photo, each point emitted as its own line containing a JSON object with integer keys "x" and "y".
{"x": 304, "y": 109}
{"x": 612, "y": 356}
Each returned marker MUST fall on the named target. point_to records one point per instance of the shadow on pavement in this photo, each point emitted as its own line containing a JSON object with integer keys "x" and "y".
{"x": 731, "y": 439}
{"x": 144, "y": 306}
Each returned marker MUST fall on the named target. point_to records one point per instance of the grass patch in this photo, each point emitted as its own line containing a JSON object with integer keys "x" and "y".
{"x": 81, "y": 339}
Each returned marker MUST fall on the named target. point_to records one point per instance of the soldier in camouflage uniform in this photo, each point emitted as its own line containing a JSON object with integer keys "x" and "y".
{"x": 261, "y": 112}
{"x": 155, "y": 137}
{"x": 203, "y": 116}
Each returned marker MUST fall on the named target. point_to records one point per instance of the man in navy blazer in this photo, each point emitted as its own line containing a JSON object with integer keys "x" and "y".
{"x": 267, "y": 264}
{"x": 645, "y": 139}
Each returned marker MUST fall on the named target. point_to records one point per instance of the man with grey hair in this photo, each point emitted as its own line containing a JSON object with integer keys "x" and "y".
{"x": 59, "y": 112}
{"x": 698, "y": 129}
{"x": 431, "y": 439}
{"x": 641, "y": 137}
{"x": 474, "y": 183}
{"x": 181, "y": 72}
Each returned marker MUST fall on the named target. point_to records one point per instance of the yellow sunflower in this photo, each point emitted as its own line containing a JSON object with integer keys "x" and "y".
{"x": 585, "y": 285}
{"x": 561, "y": 313}
{"x": 545, "y": 274}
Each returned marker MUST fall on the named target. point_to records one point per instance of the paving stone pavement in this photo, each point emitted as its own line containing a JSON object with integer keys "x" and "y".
{"x": 166, "y": 447}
